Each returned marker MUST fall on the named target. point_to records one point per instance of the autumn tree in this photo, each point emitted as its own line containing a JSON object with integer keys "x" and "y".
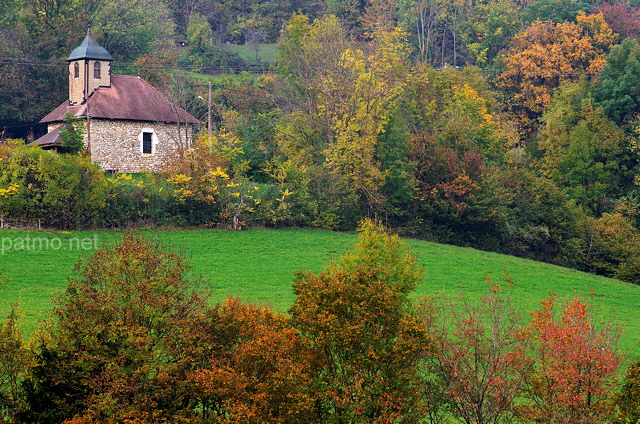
{"x": 347, "y": 96}
{"x": 359, "y": 106}
{"x": 458, "y": 144}
{"x": 112, "y": 352}
{"x": 210, "y": 177}
{"x": 576, "y": 364}
{"x": 614, "y": 248}
{"x": 547, "y": 54}
{"x": 367, "y": 343}
{"x": 622, "y": 18}
{"x": 468, "y": 125}
{"x": 249, "y": 365}
{"x": 308, "y": 54}
{"x": 481, "y": 358}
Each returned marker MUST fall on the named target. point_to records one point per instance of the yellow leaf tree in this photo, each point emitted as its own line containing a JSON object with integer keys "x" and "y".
{"x": 345, "y": 93}
{"x": 359, "y": 105}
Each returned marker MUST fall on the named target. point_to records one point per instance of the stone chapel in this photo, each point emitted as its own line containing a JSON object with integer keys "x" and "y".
{"x": 130, "y": 125}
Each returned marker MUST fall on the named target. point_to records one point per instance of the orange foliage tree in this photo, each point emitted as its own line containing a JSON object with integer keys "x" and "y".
{"x": 482, "y": 359}
{"x": 545, "y": 55}
{"x": 249, "y": 367}
{"x": 367, "y": 344}
{"x": 576, "y": 365}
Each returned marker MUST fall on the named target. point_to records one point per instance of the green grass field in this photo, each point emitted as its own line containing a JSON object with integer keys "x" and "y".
{"x": 258, "y": 265}
{"x": 266, "y": 52}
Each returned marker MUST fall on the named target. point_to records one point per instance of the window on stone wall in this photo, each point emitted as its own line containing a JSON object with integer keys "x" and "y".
{"x": 97, "y": 70}
{"x": 76, "y": 70}
{"x": 147, "y": 140}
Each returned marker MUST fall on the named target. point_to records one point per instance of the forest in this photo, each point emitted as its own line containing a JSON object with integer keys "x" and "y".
{"x": 502, "y": 125}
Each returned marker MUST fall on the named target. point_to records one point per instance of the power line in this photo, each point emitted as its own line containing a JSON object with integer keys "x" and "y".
{"x": 12, "y": 60}
{"x": 22, "y": 126}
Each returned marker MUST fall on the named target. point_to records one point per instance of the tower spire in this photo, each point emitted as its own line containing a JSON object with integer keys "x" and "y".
{"x": 89, "y": 68}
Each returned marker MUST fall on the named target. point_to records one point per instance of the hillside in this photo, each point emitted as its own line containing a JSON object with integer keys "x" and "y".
{"x": 257, "y": 266}
{"x": 500, "y": 137}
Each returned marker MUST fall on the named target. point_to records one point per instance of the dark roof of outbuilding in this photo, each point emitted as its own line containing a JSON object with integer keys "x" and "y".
{"x": 129, "y": 98}
{"x": 51, "y": 138}
{"x": 89, "y": 49}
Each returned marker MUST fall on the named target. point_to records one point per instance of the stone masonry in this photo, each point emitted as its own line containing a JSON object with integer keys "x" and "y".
{"x": 117, "y": 145}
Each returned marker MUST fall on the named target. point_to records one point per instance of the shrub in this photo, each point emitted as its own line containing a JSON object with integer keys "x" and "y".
{"x": 614, "y": 248}
{"x": 62, "y": 191}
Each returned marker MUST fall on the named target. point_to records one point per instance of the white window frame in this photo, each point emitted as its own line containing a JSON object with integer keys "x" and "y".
{"x": 154, "y": 141}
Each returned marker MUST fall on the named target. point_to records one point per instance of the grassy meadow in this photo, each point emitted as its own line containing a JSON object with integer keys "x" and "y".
{"x": 258, "y": 265}
{"x": 266, "y": 52}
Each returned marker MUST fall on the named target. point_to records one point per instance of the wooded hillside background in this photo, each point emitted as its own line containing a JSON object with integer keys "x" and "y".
{"x": 504, "y": 125}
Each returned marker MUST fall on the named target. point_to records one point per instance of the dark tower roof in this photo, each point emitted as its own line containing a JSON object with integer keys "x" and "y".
{"x": 89, "y": 49}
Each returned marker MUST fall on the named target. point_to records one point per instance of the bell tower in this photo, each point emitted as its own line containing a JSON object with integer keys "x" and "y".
{"x": 89, "y": 68}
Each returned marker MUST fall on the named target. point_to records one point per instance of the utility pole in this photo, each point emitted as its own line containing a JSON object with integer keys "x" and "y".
{"x": 209, "y": 132}
{"x": 209, "y": 112}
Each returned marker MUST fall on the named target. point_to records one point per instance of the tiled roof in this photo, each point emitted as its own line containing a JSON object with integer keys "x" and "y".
{"x": 128, "y": 98}
{"x": 51, "y": 138}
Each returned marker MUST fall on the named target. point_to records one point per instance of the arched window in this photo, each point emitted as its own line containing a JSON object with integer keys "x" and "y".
{"x": 96, "y": 70}
{"x": 76, "y": 70}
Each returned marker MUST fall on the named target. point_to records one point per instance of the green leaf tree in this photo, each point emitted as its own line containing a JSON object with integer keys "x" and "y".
{"x": 488, "y": 28}
{"x": 557, "y": 11}
{"x": 72, "y": 134}
{"x": 199, "y": 40}
{"x": 61, "y": 190}
{"x": 619, "y": 82}
{"x": 583, "y": 151}
{"x": 132, "y": 28}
